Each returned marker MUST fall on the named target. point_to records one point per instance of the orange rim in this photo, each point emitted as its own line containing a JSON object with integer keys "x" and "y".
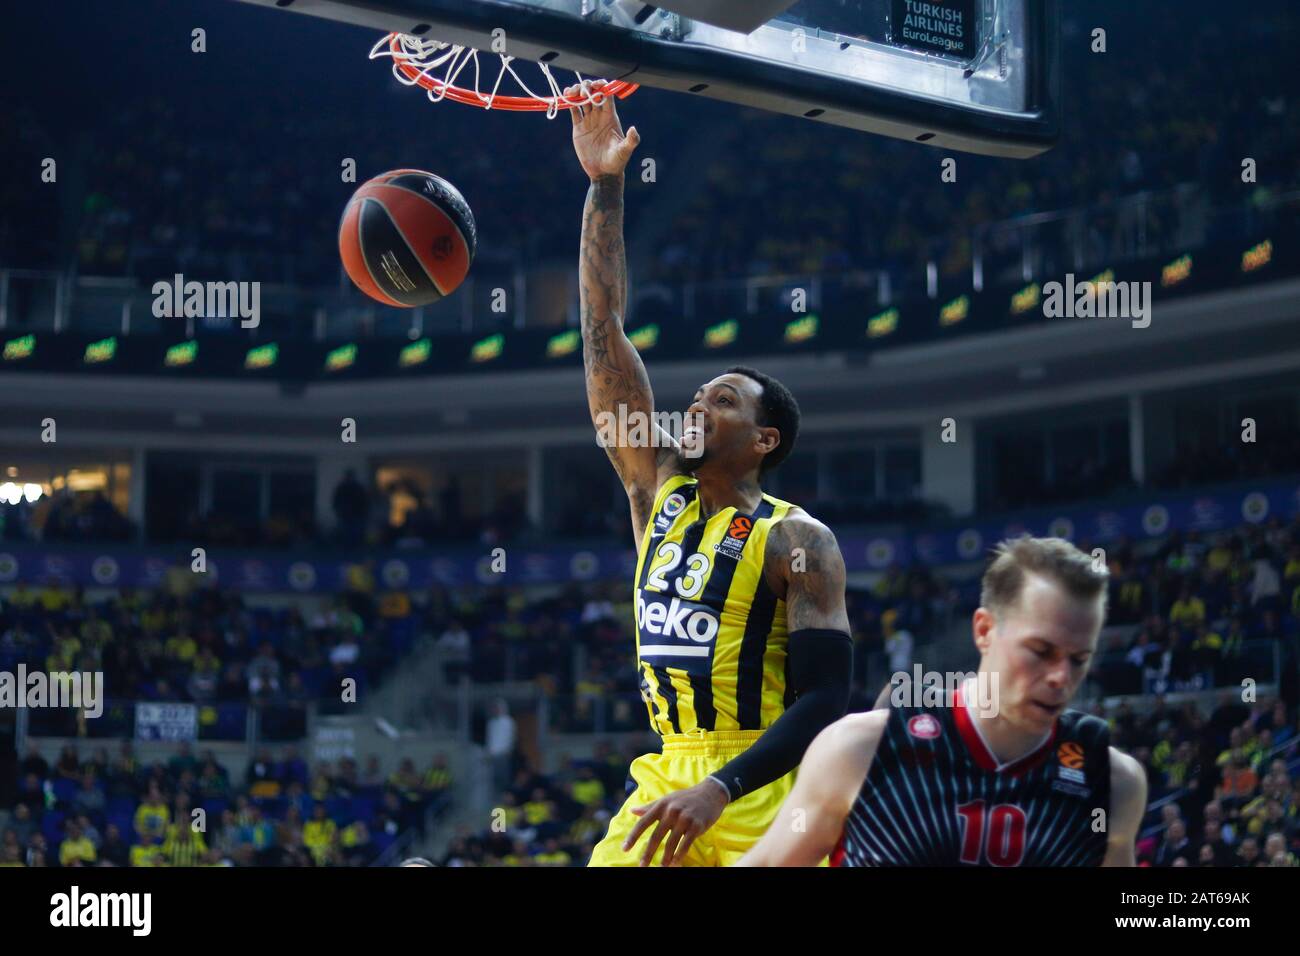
{"x": 619, "y": 89}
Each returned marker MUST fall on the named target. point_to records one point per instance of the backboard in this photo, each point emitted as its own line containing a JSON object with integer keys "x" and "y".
{"x": 972, "y": 75}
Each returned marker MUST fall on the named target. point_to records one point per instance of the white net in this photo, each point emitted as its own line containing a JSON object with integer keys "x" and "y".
{"x": 437, "y": 68}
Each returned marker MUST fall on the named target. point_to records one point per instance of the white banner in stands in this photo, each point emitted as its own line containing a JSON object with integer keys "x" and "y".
{"x": 166, "y": 721}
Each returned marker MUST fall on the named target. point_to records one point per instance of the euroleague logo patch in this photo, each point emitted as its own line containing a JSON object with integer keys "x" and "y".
{"x": 1071, "y": 755}
{"x": 733, "y": 542}
{"x": 923, "y": 727}
{"x": 740, "y": 528}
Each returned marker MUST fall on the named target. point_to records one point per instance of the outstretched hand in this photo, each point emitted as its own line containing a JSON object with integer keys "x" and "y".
{"x": 598, "y": 138}
{"x": 682, "y": 816}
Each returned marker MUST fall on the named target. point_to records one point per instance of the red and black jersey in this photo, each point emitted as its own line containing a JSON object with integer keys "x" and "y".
{"x": 936, "y": 796}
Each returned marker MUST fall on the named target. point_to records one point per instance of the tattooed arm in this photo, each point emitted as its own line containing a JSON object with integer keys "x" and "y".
{"x": 618, "y": 388}
{"x": 803, "y": 565}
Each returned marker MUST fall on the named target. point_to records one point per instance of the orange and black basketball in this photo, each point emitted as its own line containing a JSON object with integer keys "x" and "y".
{"x": 407, "y": 238}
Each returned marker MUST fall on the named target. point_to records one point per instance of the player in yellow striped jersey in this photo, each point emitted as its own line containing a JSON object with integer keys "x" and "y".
{"x": 742, "y": 635}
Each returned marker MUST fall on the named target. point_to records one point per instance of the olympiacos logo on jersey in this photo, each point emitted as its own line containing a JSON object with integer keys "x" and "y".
{"x": 924, "y": 726}
{"x": 679, "y": 619}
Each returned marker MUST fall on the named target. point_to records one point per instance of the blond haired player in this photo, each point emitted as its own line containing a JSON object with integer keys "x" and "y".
{"x": 1026, "y": 782}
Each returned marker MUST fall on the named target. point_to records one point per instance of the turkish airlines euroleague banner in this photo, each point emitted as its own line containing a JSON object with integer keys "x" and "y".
{"x": 937, "y": 26}
{"x": 1089, "y": 526}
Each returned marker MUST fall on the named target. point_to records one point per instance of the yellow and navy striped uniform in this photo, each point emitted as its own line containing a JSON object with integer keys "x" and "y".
{"x": 711, "y": 634}
{"x": 184, "y": 852}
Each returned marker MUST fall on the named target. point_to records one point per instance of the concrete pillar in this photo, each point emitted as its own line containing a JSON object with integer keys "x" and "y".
{"x": 137, "y": 490}
{"x": 1137, "y": 440}
{"x": 948, "y": 468}
{"x": 536, "y": 485}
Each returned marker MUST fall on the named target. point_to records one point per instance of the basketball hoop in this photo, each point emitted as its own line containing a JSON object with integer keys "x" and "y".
{"x": 415, "y": 61}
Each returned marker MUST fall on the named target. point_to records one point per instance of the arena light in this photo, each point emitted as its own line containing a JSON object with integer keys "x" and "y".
{"x": 886, "y": 323}
{"x": 345, "y": 356}
{"x": 263, "y": 356}
{"x": 488, "y": 349}
{"x": 417, "y": 353}
{"x": 565, "y": 343}
{"x": 105, "y": 350}
{"x": 1102, "y": 281}
{"x": 724, "y": 333}
{"x": 1178, "y": 271}
{"x": 20, "y": 348}
{"x": 79, "y": 480}
{"x": 955, "y": 311}
{"x": 31, "y": 491}
{"x": 10, "y": 493}
{"x": 801, "y": 330}
{"x": 1256, "y": 257}
{"x": 181, "y": 354}
{"x": 645, "y": 338}
{"x": 1027, "y": 299}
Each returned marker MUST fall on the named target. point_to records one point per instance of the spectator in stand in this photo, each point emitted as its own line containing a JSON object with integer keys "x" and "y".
{"x": 1265, "y": 583}
{"x": 261, "y": 778}
{"x": 1248, "y": 853}
{"x": 1173, "y": 846}
{"x": 319, "y": 836}
{"x": 76, "y": 847}
{"x": 586, "y": 788}
{"x": 90, "y": 798}
{"x": 264, "y": 673}
{"x": 437, "y": 783}
{"x": 898, "y": 645}
{"x": 292, "y": 767}
{"x": 355, "y": 845}
{"x": 184, "y": 845}
{"x": 501, "y": 740}
{"x": 351, "y": 510}
{"x": 147, "y": 852}
{"x": 1275, "y": 849}
{"x": 205, "y": 677}
{"x": 226, "y": 840}
{"x": 153, "y": 816}
{"x": 453, "y": 646}
{"x": 1188, "y": 611}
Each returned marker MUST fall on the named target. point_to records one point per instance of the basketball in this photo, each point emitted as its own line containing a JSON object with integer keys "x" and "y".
{"x": 407, "y": 238}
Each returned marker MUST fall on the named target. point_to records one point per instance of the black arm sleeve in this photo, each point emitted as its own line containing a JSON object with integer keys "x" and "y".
{"x": 820, "y": 664}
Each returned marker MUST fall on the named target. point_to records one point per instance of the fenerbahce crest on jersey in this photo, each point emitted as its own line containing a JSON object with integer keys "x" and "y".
{"x": 711, "y": 635}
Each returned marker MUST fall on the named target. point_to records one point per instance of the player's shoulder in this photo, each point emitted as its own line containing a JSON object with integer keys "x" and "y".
{"x": 1126, "y": 774}
{"x": 854, "y": 732}
{"x": 1088, "y": 728}
{"x": 839, "y": 758}
{"x": 1128, "y": 792}
{"x": 798, "y": 527}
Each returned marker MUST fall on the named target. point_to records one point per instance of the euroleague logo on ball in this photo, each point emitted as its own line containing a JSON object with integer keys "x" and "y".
{"x": 407, "y": 238}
